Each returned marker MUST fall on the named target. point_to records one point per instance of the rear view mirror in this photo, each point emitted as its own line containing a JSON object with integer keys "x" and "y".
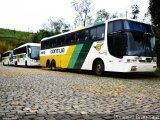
{"x": 30, "y": 51}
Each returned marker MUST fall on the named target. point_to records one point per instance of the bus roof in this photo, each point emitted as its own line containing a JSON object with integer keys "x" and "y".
{"x": 79, "y": 29}
{"x": 8, "y": 51}
{"x": 28, "y": 44}
{"x": 110, "y": 20}
{"x": 114, "y": 19}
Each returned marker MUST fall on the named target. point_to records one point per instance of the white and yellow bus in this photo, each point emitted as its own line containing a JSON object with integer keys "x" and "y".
{"x": 117, "y": 45}
{"x": 27, "y": 55}
{"x": 7, "y": 58}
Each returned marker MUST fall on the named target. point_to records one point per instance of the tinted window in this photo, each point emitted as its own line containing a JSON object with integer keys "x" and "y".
{"x": 20, "y": 50}
{"x": 110, "y": 27}
{"x": 53, "y": 42}
{"x": 131, "y": 25}
{"x": 114, "y": 26}
{"x": 82, "y": 35}
{"x": 5, "y": 54}
{"x": 42, "y": 45}
{"x": 70, "y": 38}
{"x": 117, "y": 44}
{"x": 46, "y": 44}
{"x": 100, "y": 32}
{"x": 93, "y": 34}
{"x": 117, "y": 25}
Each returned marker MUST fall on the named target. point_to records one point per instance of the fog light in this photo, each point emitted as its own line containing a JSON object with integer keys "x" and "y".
{"x": 133, "y": 68}
{"x": 154, "y": 59}
{"x": 154, "y": 66}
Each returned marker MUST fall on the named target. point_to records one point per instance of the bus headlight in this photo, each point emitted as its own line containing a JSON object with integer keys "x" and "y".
{"x": 154, "y": 59}
{"x": 133, "y": 68}
{"x": 131, "y": 60}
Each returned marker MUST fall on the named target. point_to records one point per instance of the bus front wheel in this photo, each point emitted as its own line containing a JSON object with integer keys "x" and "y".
{"x": 99, "y": 67}
{"x": 15, "y": 63}
{"x": 26, "y": 65}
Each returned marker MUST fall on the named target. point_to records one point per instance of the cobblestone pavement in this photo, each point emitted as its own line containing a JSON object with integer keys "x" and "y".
{"x": 39, "y": 94}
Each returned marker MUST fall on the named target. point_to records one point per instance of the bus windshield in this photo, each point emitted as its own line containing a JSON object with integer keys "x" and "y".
{"x": 35, "y": 52}
{"x": 140, "y": 44}
{"x": 129, "y": 38}
{"x": 141, "y": 41}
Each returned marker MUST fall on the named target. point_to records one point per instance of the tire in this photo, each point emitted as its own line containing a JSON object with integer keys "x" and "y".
{"x": 3, "y": 64}
{"x": 26, "y": 65}
{"x": 15, "y": 63}
{"x": 48, "y": 64}
{"x": 99, "y": 68}
{"x": 53, "y": 65}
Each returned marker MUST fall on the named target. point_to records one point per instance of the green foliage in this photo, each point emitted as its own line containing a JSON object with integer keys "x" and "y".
{"x": 42, "y": 34}
{"x": 135, "y": 11}
{"x": 155, "y": 12}
{"x": 5, "y": 47}
{"x": 157, "y": 35}
{"x": 102, "y": 15}
{"x": 10, "y": 39}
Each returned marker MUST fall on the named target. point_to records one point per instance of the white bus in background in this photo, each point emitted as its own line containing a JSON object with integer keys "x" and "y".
{"x": 117, "y": 45}
{"x": 7, "y": 58}
{"x": 27, "y": 55}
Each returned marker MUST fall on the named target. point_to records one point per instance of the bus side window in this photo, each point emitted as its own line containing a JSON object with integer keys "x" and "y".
{"x": 110, "y": 27}
{"x": 100, "y": 32}
{"x": 46, "y": 44}
{"x": 52, "y": 42}
{"x": 42, "y": 46}
{"x": 85, "y": 35}
{"x": 58, "y": 41}
{"x": 62, "y": 40}
{"x": 78, "y": 36}
{"x": 93, "y": 34}
{"x": 68, "y": 41}
{"x": 70, "y": 38}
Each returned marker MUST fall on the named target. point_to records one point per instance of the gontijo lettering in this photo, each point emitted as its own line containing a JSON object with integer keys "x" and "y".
{"x": 57, "y": 50}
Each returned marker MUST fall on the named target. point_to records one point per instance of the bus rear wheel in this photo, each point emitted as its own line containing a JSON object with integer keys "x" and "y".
{"x": 53, "y": 65}
{"x": 99, "y": 67}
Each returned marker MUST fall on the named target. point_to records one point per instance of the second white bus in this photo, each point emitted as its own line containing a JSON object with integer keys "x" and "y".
{"x": 27, "y": 55}
{"x": 7, "y": 58}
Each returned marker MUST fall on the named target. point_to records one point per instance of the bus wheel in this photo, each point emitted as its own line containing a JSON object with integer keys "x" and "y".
{"x": 48, "y": 64}
{"x": 26, "y": 64}
{"x": 3, "y": 63}
{"x": 99, "y": 67}
{"x": 15, "y": 63}
{"x": 53, "y": 65}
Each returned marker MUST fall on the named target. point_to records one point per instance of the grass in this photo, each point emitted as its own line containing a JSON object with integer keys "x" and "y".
{"x": 10, "y": 39}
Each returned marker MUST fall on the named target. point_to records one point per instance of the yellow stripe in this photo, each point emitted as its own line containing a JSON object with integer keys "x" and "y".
{"x": 62, "y": 61}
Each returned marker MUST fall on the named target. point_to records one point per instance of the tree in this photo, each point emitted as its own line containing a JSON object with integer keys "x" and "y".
{"x": 102, "y": 15}
{"x": 55, "y": 26}
{"x": 155, "y": 12}
{"x": 83, "y": 8}
{"x": 114, "y": 15}
{"x": 135, "y": 11}
{"x": 41, "y": 34}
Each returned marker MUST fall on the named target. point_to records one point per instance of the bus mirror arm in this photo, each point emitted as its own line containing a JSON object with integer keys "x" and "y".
{"x": 29, "y": 52}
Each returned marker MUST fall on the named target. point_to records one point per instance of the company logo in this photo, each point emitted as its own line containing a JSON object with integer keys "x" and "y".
{"x": 58, "y": 50}
{"x": 98, "y": 47}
